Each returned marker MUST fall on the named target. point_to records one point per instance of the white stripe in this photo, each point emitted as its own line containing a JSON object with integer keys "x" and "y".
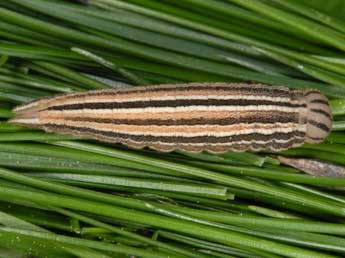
{"x": 27, "y": 106}
{"x": 183, "y": 109}
{"x": 212, "y": 144}
{"x": 91, "y": 99}
{"x": 25, "y": 121}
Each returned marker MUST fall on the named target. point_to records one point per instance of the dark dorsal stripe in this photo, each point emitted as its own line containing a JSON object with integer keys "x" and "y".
{"x": 178, "y": 139}
{"x": 278, "y": 117}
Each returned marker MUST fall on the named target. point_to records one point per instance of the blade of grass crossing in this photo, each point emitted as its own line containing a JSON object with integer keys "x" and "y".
{"x": 124, "y": 72}
{"x": 324, "y": 34}
{"x": 221, "y": 236}
{"x": 314, "y": 14}
{"x": 206, "y": 174}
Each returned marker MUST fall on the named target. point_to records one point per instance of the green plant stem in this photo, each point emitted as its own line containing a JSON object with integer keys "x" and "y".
{"x": 35, "y": 136}
{"x": 170, "y": 186}
{"x": 218, "y": 235}
{"x": 332, "y": 78}
{"x": 274, "y": 174}
{"x": 306, "y": 26}
{"x": 128, "y": 234}
{"x": 156, "y": 54}
{"x": 314, "y": 14}
{"x": 83, "y": 80}
{"x": 338, "y": 107}
{"x": 6, "y": 112}
{"x": 206, "y": 174}
{"x": 111, "y": 65}
{"x": 338, "y": 126}
{"x": 85, "y": 243}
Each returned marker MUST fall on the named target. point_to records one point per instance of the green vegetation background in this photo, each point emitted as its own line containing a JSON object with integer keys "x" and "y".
{"x": 67, "y": 196}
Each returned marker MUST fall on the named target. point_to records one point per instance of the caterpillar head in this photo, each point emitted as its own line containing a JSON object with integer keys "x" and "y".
{"x": 318, "y": 117}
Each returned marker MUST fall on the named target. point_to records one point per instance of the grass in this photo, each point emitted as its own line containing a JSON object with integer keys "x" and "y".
{"x": 69, "y": 196}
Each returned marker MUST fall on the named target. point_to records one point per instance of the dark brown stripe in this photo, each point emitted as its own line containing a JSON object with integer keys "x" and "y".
{"x": 315, "y": 138}
{"x": 171, "y": 103}
{"x": 254, "y": 118}
{"x": 176, "y": 139}
{"x": 312, "y": 92}
{"x": 320, "y": 101}
{"x": 269, "y": 145}
{"x": 321, "y": 126}
{"x": 258, "y": 91}
{"x": 320, "y": 111}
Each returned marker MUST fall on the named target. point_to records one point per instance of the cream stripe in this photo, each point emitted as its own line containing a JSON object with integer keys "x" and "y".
{"x": 26, "y": 121}
{"x": 184, "y": 131}
{"x": 27, "y": 106}
{"x": 175, "y": 97}
{"x": 213, "y": 144}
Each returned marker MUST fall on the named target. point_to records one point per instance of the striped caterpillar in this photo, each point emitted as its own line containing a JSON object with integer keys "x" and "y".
{"x": 213, "y": 117}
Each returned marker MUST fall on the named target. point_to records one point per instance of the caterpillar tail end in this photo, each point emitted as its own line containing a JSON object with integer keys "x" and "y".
{"x": 26, "y": 115}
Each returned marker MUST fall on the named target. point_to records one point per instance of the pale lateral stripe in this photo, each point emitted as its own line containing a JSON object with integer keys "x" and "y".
{"x": 214, "y": 144}
{"x": 185, "y": 108}
{"x": 26, "y": 106}
{"x": 26, "y": 121}
{"x": 178, "y": 97}
{"x": 146, "y": 129}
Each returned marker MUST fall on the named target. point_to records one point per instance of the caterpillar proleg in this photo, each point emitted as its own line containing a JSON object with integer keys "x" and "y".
{"x": 214, "y": 117}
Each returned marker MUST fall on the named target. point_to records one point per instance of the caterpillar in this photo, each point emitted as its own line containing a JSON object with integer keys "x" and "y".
{"x": 213, "y": 117}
